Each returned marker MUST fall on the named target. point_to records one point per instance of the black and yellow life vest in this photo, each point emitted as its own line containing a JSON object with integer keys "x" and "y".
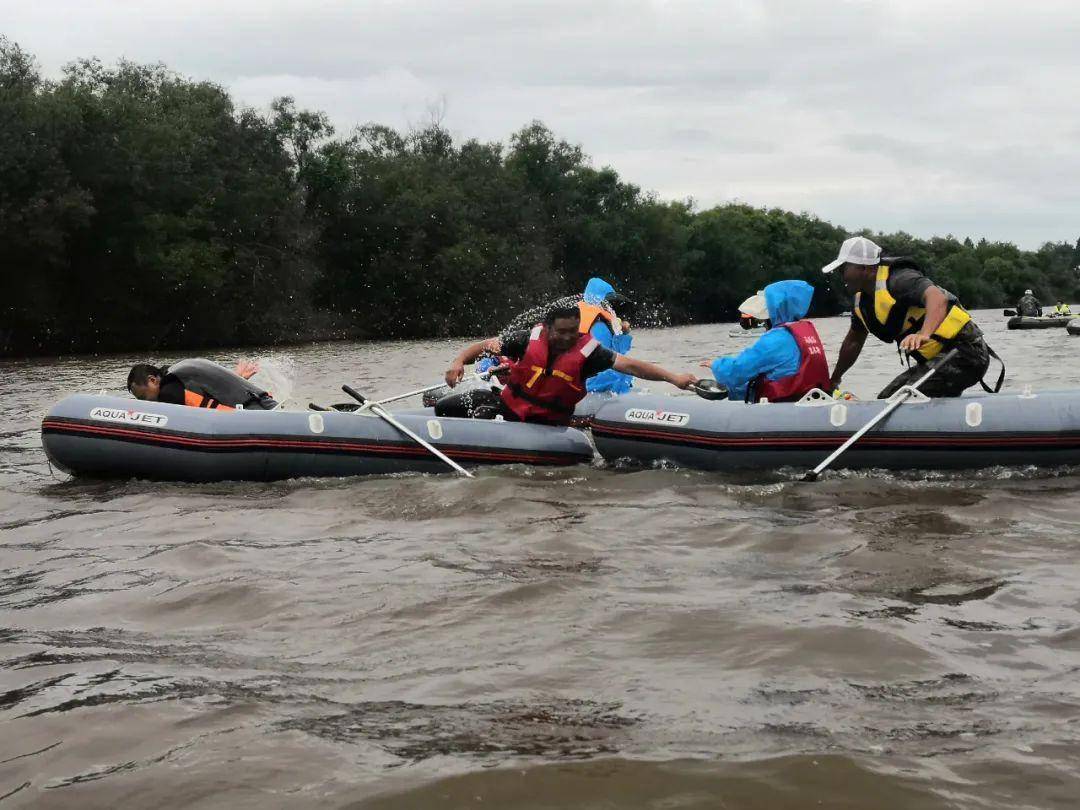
{"x": 890, "y": 322}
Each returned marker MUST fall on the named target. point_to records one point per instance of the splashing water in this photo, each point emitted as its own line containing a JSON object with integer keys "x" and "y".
{"x": 649, "y": 315}
{"x": 530, "y": 317}
{"x": 276, "y": 374}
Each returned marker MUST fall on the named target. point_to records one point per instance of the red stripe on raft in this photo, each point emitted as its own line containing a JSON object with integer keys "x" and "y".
{"x": 990, "y": 440}
{"x": 385, "y": 448}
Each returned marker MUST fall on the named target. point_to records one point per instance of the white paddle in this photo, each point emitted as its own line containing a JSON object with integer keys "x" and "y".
{"x": 379, "y": 412}
{"x": 900, "y": 400}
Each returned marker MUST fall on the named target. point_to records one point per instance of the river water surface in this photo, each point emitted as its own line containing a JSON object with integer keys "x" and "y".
{"x": 578, "y": 638}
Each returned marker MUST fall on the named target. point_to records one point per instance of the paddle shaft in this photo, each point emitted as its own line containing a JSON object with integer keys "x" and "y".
{"x": 484, "y": 377}
{"x": 900, "y": 400}
{"x": 375, "y": 409}
{"x": 388, "y": 400}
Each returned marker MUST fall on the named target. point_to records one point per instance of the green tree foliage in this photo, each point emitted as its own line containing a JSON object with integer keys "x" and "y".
{"x": 140, "y": 209}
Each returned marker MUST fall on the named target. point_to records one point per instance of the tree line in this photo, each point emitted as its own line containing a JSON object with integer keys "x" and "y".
{"x": 143, "y": 210}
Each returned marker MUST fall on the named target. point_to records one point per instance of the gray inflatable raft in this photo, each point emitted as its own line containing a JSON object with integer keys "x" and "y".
{"x": 115, "y": 437}
{"x": 968, "y": 432}
{"x": 1045, "y": 322}
{"x": 1073, "y": 327}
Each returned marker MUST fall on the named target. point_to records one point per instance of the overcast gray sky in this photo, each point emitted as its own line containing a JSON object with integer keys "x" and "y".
{"x": 932, "y": 117}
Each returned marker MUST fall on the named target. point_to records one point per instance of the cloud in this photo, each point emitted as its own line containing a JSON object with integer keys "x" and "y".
{"x": 930, "y": 117}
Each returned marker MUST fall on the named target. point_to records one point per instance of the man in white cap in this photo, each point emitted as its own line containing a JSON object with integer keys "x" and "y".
{"x": 1028, "y": 305}
{"x": 896, "y": 302}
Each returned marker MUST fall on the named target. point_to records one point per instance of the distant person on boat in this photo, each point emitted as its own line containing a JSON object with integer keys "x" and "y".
{"x": 895, "y": 301}
{"x": 749, "y": 322}
{"x": 199, "y": 383}
{"x": 1029, "y": 305}
{"x": 788, "y": 360}
{"x": 1062, "y": 309}
{"x": 551, "y": 364}
{"x": 600, "y": 320}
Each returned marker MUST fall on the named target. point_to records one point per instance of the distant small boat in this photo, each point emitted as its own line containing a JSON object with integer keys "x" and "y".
{"x": 1044, "y": 322}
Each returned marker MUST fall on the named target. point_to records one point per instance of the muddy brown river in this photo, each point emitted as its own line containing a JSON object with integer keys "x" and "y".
{"x": 573, "y": 638}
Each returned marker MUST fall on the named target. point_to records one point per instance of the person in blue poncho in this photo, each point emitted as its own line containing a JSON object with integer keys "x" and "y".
{"x": 610, "y": 332}
{"x": 788, "y": 360}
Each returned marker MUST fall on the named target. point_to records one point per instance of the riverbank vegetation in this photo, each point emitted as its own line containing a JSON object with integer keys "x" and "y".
{"x": 143, "y": 210}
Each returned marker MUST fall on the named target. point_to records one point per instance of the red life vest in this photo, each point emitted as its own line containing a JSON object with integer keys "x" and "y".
{"x": 813, "y": 368}
{"x": 545, "y": 390}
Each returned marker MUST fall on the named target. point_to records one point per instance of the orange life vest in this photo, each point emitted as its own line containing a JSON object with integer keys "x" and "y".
{"x": 590, "y": 314}
{"x": 199, "y": 401}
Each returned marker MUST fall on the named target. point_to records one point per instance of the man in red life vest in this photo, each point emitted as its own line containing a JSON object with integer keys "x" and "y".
{"x": 788, "y": 360}
{"x": 552, "y": 362}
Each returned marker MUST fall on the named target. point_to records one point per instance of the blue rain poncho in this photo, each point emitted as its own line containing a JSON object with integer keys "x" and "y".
{"x": 596, "y": 292}
{"x": 775, "y": 354}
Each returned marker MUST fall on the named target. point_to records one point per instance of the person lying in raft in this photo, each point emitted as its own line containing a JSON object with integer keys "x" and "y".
{"x": 612, "y": 332}
{"x": 199, "y": 383}
{"x": 895, "y": 301}
{"x": 1062, "y": 310}
{"x": 551, "y": 364}
{"x": 788, "y": 360}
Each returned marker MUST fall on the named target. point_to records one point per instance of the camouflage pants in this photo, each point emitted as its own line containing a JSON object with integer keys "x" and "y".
{"x": 964, "y": 370}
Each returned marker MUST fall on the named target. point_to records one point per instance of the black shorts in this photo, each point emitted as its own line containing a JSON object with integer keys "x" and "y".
{"x": 263, "y": 403}
{"x": 480, "y": 403}
{"x": 964, "y": 370}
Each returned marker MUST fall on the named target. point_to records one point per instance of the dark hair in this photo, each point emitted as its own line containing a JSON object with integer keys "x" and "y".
{"x": 141, "y": 372}
{"x": 561, "y": 312}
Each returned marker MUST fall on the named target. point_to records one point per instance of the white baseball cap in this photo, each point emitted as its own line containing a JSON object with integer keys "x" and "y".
{"x": 755, "y": 306}
{"x": 857, "y": 250}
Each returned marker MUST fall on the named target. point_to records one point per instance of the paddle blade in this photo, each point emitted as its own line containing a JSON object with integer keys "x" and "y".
{"x": 709, "y": 389}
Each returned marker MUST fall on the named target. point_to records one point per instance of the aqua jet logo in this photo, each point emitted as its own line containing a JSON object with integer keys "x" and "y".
{"x": 129, "y": 416}
{"x": 648, "y": 416}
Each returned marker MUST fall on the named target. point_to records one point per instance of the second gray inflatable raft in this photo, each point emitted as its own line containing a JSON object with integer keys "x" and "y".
{"x": 980, "y": 431}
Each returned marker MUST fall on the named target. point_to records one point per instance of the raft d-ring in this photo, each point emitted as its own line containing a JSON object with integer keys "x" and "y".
{"x": 434, "y": 429}
{"x": 315, "y": 422}
{"x": 973, "y": 414}
{"x": 838, "y": 414}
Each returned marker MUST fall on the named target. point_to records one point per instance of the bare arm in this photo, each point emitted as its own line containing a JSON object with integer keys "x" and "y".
{"x": 850, "y": 350}
{"x": 469, "y": 355}
{"x": 937, "y": 306}
{"x": 650, "y": 371}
